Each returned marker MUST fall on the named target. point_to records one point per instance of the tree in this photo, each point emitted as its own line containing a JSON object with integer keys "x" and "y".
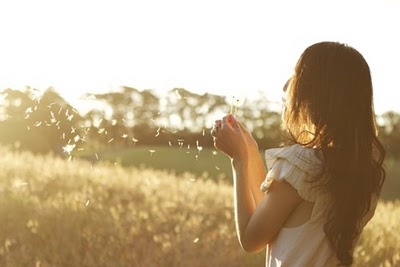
{"x": 390, "y": 133}
{"x": 41, "y": 123}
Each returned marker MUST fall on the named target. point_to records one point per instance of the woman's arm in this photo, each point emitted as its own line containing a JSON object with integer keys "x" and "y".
{"x": 256, "y": 167}
{"x": 257, "y": 225}
{"x": 258, "y": 218}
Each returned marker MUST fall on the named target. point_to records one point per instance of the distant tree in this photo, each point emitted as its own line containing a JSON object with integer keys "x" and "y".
{"x": 44, "y": 121}
{"x": 134, "y": 115}
{"x": 193, "y": 112}
{"x": 390, "y": 133}
{"x": 39, "y": 122}
{"x": 146, "y": 109}
{"x": 16, "y": 104}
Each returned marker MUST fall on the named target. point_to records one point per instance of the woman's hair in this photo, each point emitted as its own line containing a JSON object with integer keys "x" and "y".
{"x": 330, "y": 107}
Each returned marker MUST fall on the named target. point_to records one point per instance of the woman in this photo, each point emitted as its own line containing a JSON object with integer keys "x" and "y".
{"x": 318, "y": 193}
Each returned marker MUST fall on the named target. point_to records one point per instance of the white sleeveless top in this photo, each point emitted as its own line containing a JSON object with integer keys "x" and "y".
{"x": 305, "y": 245}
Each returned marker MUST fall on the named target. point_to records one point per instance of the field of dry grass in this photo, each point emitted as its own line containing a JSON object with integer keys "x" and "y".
{"x": 55, "y": 212}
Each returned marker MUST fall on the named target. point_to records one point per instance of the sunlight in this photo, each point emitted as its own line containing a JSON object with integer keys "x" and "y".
{"x": 240, "y": 47}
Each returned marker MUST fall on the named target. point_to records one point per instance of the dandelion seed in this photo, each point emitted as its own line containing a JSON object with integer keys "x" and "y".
{"x": 151, "y": 152}
{"x": 204, "y": 132}
{"x": 68, "y": 148}
{"x": 135, "y": 140}
{"x": 114, "y": 122}
{"x": 52, "y": 119}
{"x": 158, "y": 132}
{"x": 87, "y": 203}
{"x": 199, "y": 148}
{"x": 180, "y": 142}
{"x": 188, "y": 146}
{"x": 77, "y": 138}
{"x": 29, "y": 128}
{"x": 197, "y": 157}
{"x": 214, "y": 153}
{"x": 28, "y": 110}
{"x": 69, "y": 116}
{"x": 109, "y": 141}
{"x": 70, "y": 158}
{"x": 124, "y": 136}
{"x": 73, "y": 130}
{"x": 97, "y": 156}
{"x": 169, "y": 143}
{"x": 80, "y": 149}
{"x": 37, "y": 124}
{"x": 178, "y": 96}
{"x": 217, "y": 168}
{"x": 62, "y": 136}
{"x": 192, "y": 179}
{"x": 100, "y": 131}
{"x": 196, "y": 240}
{"x": 236, "y": 102}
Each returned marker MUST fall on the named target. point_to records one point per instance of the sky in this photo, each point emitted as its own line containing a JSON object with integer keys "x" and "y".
{"x": 222, "y": 47}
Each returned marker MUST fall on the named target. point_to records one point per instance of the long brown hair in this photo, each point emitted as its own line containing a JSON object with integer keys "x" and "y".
{"x": 330, "y": 108}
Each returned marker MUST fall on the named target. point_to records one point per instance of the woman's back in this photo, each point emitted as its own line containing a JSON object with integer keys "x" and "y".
{"x": 302, "y": 241}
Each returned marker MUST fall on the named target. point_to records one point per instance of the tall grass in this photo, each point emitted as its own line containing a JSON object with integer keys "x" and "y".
{"x": 207, "y": 162}
{"x": 59, "y": 213}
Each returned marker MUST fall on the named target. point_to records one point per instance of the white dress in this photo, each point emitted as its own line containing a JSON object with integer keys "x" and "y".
{"x": 305, "y": 245}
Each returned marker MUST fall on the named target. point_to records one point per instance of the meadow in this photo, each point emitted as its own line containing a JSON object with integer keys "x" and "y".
{"x": 60, "y": 212}
{"x": 206, "y": 162}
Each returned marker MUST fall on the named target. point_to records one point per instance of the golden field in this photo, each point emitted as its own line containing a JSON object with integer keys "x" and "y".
{"x": 55, "y": 212}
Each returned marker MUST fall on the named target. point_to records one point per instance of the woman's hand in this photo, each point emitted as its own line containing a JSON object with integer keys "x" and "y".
{"x": 251, "y": 143}
{"x": 232, "y": 138}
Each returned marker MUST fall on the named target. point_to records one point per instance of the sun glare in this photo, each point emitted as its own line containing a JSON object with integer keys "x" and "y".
{"x": 239, "y": 47}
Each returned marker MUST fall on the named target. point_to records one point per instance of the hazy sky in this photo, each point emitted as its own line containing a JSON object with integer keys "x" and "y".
{"x": 204, "y": 46}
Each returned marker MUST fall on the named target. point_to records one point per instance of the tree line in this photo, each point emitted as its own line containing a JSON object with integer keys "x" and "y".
{"x": 45, "y": 122}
